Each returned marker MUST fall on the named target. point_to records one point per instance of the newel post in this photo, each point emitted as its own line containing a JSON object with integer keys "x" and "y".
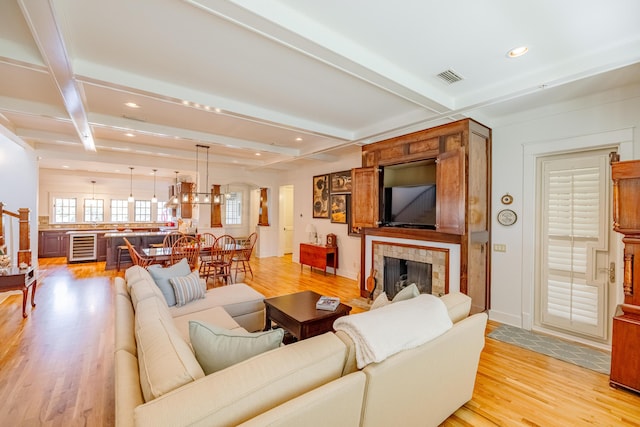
{"x": 24, "y": 253}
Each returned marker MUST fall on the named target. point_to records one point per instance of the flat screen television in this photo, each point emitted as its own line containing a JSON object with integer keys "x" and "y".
{"x": 411, "y": 206}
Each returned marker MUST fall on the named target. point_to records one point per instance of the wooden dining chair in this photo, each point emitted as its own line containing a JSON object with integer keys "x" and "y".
{"x": 243, "y": 256}
{"x": 168, "y": 240}
{"x": 186, "y": 247}
{"x": 136, "y": 257}
{"x": 221, "y": 260}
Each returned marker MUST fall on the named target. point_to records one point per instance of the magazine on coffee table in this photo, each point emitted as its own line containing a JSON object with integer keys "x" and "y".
{"x": 328, "y": 303}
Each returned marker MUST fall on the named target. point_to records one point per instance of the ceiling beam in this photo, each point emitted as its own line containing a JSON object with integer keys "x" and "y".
{"x": 40, "y": 18}
{"x": 298, "y": 32}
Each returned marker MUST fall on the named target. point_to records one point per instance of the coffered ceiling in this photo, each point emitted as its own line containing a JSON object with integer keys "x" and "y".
{"x": 275, "y": 84}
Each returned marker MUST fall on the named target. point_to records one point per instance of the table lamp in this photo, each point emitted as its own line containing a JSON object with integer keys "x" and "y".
{"x": 311, "y": 229}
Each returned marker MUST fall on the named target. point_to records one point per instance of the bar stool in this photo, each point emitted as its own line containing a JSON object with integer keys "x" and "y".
{"x": 120, "y": 249}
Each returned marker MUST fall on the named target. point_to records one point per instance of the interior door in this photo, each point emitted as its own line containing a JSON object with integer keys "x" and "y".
{"x": 286, "y": 208}
{"x": 575, "y": 241}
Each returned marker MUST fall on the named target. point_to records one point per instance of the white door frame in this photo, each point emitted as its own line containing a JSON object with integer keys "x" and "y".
{"x": 622, "y": 139}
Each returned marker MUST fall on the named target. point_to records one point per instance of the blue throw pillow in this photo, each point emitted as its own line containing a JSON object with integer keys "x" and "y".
{"x": 161, "y": 276}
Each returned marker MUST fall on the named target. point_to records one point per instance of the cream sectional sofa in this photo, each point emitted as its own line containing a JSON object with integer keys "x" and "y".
{"x": 314, "y": 382}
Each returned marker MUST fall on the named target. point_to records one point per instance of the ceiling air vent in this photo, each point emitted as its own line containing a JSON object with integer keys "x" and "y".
{"x": 449, "y": 76}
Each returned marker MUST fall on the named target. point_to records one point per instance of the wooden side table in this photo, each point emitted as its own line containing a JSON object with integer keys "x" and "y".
{"x": 319, "y": 256}
{"x": 297, "y": 314}
{"x": 15, "y": 279}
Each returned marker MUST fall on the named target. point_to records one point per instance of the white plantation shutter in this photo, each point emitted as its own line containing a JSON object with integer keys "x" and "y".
{"x": 573, "y": 196}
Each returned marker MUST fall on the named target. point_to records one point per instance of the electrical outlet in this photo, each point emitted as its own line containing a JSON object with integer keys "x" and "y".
{"x": 499, "y": 247}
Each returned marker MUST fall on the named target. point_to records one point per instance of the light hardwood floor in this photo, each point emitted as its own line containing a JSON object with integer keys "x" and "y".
{"x": 56, "y": 366}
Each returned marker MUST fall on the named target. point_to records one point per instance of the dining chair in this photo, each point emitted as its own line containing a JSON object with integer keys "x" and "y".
{"x": 186, "y": 247}
{"x": 136, "y": 257}
{"x": 243, "y": 256}
{"x": 220, "y": 262}
{"x": 168, "y": 240}
{"x": 207, "y": 240}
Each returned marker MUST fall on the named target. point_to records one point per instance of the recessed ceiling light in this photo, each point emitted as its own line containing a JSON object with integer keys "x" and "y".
{"x": 65, "y": 166}
{"x": 298, "y": 139}
{"x": 217, "y": 110}
{"x": 129, "y": 134}
{"x": 185, "y": 102}
{"x": 258, "y": 154}
{"x": 131, "y": 105}
{"x": 518, "y": 51}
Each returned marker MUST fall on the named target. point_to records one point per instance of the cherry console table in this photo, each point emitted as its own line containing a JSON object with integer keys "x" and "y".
{"x": 15, "y": 279}
{"x": 319, "y": 256}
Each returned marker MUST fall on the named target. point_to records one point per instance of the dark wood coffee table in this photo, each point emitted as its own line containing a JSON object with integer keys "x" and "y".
{"x": 298, "y": 315}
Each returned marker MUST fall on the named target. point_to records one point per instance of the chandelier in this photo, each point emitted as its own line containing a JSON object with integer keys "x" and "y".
{"x": 196, "y": 197}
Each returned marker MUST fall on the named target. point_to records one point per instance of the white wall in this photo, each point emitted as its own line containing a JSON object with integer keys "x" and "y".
{"x": 19, "y": 178}
{"x": 517, "y": 139}
{"x": 301, "y": 178}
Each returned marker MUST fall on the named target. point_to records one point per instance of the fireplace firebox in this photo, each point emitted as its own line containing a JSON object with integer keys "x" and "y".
{"x": 400, "y": 273}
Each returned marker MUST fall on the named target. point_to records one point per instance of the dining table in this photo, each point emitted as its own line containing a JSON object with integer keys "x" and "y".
{"x": 159, "y": 255}
{"x": 163, "y": 254}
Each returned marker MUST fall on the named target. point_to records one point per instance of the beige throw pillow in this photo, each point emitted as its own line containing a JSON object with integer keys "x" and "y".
{"x": 407, "y": 292}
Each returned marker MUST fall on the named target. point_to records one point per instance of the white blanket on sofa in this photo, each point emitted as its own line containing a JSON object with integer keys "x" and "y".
{"x": 380, "y": 333}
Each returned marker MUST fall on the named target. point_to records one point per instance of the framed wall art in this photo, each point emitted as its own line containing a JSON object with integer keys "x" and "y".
{"x": 321, "y": 196}
{"x": 340, "y": 182}
{"x": 339, "y": 208}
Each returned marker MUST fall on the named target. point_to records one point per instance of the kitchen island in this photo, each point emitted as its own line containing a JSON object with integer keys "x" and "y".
{"x": 139, "y": 239}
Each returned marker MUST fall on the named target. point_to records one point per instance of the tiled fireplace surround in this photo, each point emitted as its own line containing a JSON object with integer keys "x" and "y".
{"x": 444, "y": 258}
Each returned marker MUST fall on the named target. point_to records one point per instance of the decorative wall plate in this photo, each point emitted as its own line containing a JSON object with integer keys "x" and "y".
{"x": 507, "y": 217}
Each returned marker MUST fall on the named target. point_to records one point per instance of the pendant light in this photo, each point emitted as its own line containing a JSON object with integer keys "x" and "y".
{"x": 130, "y": 199}
{"x": 196, "y": 199}
{"x": 154, "y": 199}
{"x": 207, "y": 197}
{"x": 175, "y": 194}
{"x": 93, "y": 190}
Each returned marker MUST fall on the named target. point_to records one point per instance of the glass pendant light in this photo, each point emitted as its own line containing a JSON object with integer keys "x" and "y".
{"x": 130, "y": 199}
{"x": 197, "y": 198}
{"x": 154, "y": 199}
{"x": 175, "y": 194}
{"x": 207, "y": 197}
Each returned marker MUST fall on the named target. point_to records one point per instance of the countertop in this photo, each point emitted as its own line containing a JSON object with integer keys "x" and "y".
{"x": 135, "y": 233}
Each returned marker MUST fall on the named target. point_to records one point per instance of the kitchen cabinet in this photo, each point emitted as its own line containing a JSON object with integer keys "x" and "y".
{"x": 185, "y": 188}
{"x": 53, "y": 243}
{"x": 102, "y": 247}
{"x": 462, "y": 150}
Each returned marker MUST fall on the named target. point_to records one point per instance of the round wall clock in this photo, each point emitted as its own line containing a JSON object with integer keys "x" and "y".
{"x": 507, "y": 199}
{"x": 507, "y": 217}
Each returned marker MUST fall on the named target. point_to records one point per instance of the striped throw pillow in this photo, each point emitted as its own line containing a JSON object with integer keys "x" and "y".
{"x": 187, "y": 288}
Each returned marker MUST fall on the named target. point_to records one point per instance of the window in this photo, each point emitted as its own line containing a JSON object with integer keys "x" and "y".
{"x": 93, "y": 210}
{"x": 233, "y": 209}
{"x": 164, "y": 214}
{"x": 142, "y": 211}
{"x": 119, "y": 210}
{"x": 64, "y": 210}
